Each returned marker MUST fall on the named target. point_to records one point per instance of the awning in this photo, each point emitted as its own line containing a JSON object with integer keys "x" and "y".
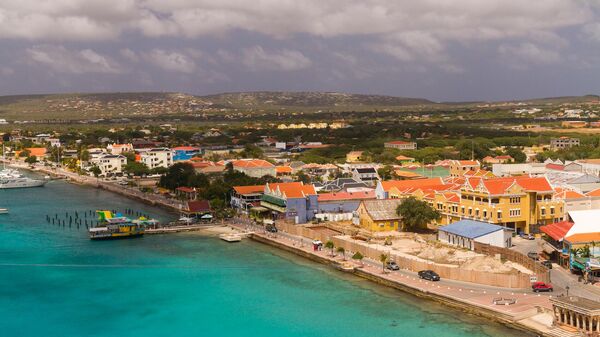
{"x": 272, "y": 207}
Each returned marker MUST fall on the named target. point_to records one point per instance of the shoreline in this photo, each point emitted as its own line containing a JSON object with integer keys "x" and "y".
{"x": 477, "y": 310}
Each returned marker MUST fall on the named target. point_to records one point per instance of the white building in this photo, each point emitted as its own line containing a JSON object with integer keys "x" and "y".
{"x": 465, "y": 233}
{"x": 110, "y": 164}
{"x": 119, "y": 148}
{"x": 160, "y": 157}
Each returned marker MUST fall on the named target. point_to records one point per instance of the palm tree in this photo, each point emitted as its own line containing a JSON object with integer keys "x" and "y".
{"x": 359, "y": 257}
{"x": 383, "y": 258}
{"x": 330, "y": 245}
{"x": 342, "y": 251}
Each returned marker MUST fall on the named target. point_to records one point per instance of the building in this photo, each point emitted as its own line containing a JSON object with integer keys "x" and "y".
{"x": 576, "y": 313}
{"x": 378, "y": 215}
{"x": 563, "y": 143}
{"x": 465, "y": 233}
{"x": 505, "y": 170}
{"x": 244, "y": 198}
{"x": 354, "y": 157}
{"x": 254, "y": 167}
{"x": 497, "y": 160}
{"x": 383, "y": 189}
{"x": 157, "y": 157}
{"x": 458, "y": 168}
{"x": 401, "y": 145}
{"x": 198, "y": 210}
{"x": 341, "y": 184}
{"x": 119, "y": 148}
{"x": 574, "y": 124}
{"x": 342, "y": 202}
{"x": 109, "y": 164}
{"x": 290, "y": 201}
{"x": 367, "y": 175}
{"x": 404, "y": 159}
{"x": 183, "y": 153}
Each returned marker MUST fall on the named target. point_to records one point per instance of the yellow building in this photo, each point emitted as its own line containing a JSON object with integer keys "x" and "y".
{"x": 354, "y": 156}
{"x": 459, "y": 167}
{"x": 378, "y": 215}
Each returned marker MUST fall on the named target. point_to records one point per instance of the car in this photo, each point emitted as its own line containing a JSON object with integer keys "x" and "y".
{"x": 429, "y": 275}
{"x": 392, "y": 265}
{"x": 271, "y": 229}
{"x": 547, "y": 264}
{"x": 533, "y": 256}
{"x": 527, "y": 236}
{"x": 541, "y": 286}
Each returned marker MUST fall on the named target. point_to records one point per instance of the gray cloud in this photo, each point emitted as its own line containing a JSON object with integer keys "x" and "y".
{"x": 171, "y": 61}
{"x": 257, "y": 59}
{"x": 63, "y": 60}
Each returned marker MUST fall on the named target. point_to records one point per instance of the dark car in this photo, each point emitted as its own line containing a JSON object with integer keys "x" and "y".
{"x": 391, "y": 265}
{"x": 541, "y": 286}
{"x": 271, "y": 229}
{"x": 547, "y": 264}
{"x": 533, "y": 256}
{"x": 429, "y": 275}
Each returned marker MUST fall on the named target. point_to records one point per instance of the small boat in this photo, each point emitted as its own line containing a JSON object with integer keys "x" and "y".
{"x": 115, "y": 227}
{"x": 231, "y": 237}
{"x": 3, "y": 210}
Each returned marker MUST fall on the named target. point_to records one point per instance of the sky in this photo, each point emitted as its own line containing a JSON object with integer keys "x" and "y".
{"x": 443, "y": 50}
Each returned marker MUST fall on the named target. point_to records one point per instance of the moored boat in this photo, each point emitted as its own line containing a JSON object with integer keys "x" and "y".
{"x": 3, "y": 210}
{"x": 115, "y": 227}
{"x": 231, "y": 237}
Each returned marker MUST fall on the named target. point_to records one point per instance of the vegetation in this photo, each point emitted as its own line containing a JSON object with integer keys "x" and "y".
{"x": 342, "y": 251}
{"x": 330, "y": 245}
{"x": 416, "y": 214}
{"x": 383, "y": 258}
{"x": 358, "y": 257}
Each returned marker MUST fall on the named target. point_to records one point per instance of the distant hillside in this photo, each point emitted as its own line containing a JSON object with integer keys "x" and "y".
{"x": 308, "y": 99}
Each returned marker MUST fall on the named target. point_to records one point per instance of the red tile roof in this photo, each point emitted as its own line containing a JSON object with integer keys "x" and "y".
{"x": 198, "y": 206}
{"x": 558, "y": 230}
{"x": 254, "y": 189}
{"x": 186, "y": 148}
{"x": 403, "y": 184}
{"x": 496, "y": 186}
{"x": 594, "y": 193}
{"x": 252, "y": 163}
{"x": 341, "y": 196}
{"x": 283, "y": 169}
{"x": 292, "y": 190}
{"x": 584, "y": 237}
{"x": 185, "y": 189}
{"x": 556, "y": 167}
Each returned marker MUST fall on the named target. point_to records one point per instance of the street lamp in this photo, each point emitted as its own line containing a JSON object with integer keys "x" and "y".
{"x": 567, "y": 289}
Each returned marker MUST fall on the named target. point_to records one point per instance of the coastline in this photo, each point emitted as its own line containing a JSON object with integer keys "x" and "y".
{"x": 512, "y": 321}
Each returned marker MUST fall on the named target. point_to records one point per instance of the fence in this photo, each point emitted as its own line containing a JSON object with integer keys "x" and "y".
{"x": 542, "y": 273}
{"x": 453, "y": 272}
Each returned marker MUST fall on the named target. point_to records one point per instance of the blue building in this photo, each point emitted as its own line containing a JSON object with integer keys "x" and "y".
{"x": 183, "y": 153}
{"x": 291, "y": 201}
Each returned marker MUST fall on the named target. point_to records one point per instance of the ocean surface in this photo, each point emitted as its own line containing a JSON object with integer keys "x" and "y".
{"x": 56, "y": 282}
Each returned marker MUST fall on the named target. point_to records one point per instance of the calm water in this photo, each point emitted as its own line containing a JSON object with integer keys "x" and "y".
{"x": 55, "y": 282}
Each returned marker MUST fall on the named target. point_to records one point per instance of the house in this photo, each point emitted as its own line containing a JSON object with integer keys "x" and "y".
{"x": 119, "y": 148}
{"x": 354, "y": 157}
{"x": 292, "y": 201}
{"x": 459, "y": 167}
{"x": 254, "y": 167}
{"x": 378, "y": 215}
{"x": 186, "y": 193}
{"x": 400, "y": 145}
{"x": 465, "y": 233}
{"x": 320, "y": 170}
{"x": 382, "y": 191}
{"x": 574, "y": 124}
{"x": 341, "y": 184}
{"x": 109, "y": 164}
{"x": 497, "y": 160}
{"x": 404, "y": 159}
{"x": 342, "y": 202}
{"x": 198, "y": 210}
{"x": 54, "y": 142}
{"x": 367, "y": 175}
{"x": 157, "y": 157}
{"x": 563, "y": 143}
{"x": 243, "y": 198}
{"x": 183, "y": 153}
{"x": 283, "y": 171}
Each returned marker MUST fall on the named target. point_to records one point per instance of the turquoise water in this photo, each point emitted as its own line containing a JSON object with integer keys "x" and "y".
{"x": 55, "y": 282}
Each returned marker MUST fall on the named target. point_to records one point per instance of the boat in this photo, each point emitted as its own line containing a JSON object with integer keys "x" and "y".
{"x": 11, "y": 178}
{"x": 3, "y": 210}
{"x": 115, "y": 227}
{"x": 231, "y": 237}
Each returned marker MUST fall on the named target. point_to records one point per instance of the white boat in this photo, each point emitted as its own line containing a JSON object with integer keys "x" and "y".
{"x": 3, "y": 210}
{"x": 231, "y": 237}
{"x": 18, "y": 181}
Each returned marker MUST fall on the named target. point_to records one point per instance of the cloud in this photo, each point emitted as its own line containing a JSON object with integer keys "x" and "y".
{"x": 257, "y": 59}
{"x": 129, "y": 55}
{"x": 63, "y": 60}
{"x": 171, "y": 61}
{"x": 529, "y": 53}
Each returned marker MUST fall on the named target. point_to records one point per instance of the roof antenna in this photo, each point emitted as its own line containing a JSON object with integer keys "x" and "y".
{"x": 472, "y": 151}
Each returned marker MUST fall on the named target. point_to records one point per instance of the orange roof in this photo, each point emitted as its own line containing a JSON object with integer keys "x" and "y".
{"x": 292, "y": 190}
{"x": 403, "y": 184}
{"x": 283, "y": 169}
{"x": 452, "y": 197}
{"x": 398, "y": 142}
{"x": 252, "y": 163}
{"x": 557, "y": 230}
{"x": 185, "y": 148}
{"x": 406, "y": 174}
{"x": 584, "y": 237}
{"x": 465, "y": 162}
{"x": 249, "y": 189}
{"x": 594, "y": 193}
{"x": 347, "y": 196}
{"x": 401, "y": 157}
{"x": 37, "y": 151}
{"x": 497, "y": 186}
{"x": 566, "y": 194}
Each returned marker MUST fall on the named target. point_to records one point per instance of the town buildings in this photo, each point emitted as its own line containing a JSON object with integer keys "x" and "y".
{"x": 401, "y": 145}
{"x": 293, "y": 201}
{"x": 465, "y": 233}
{"x": 119, "y": 148}
{"x": 458, "y": 168}
{"x": 109, "y": 164}
{"x": 157, "y": 157}
{"x": 183, "y": 153}
{"x": 563, "y": 143}
{"x": 378, "y": 215}
{"x": 254, "y": 167}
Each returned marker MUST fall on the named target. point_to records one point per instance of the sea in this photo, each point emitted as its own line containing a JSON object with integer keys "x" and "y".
{"x": 54, "y": 281}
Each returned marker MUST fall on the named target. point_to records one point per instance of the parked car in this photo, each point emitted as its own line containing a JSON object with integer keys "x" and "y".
{"x": 391, "y": 265}
{"x": 527, "y": 236}
{"x": 541, "y": 286}
{"x": 429, "y": 275}
{"x": 271, "y": 229}
{"x": 547, "y": 264}
{"x": 533, "y": 256}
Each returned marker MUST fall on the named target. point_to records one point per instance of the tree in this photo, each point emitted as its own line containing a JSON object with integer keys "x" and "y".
{"x": 383, "y": 258}
{"x": 386, "y": 172}
{"x": 95, "y": 170}
{"x": 358, "y": 257}
{"x": 303, "y": 177}
{"x": 136, "y": 168}
{"x": 180, "y": 174}
{"x": 416, "y": 214}
{"x": 342, "y": 251}
{"x": 517, "y": 154}
{"x": 330, "y": 245}
{"x": 25, "y": 153}
{"x": 31, "y": 160}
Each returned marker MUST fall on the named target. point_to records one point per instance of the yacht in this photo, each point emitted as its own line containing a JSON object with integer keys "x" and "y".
{"x": 10, "y": 178}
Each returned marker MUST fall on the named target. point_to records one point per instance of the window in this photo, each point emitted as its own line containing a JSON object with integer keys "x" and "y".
{"x": 543, "y": 210}
{"x": 470, "y": 211}
{"x": 515, "y": 200}
{"x": 462, "y": 209}
{"x": 485, "y": 213}
{"x": 552, "y": 210}
{"x": 515, "y": 212}
{"x": 499, "y": 214}
{"x": 477, "y": 212}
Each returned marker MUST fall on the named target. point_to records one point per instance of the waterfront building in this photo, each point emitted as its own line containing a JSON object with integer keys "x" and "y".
{"x": 157, "y": 157}
{"x": 401, "y": 145}
{"x": 186, "y": 193}
{"x": 342, "y": 202}
{"x": 576, "y": 312}
{"x": 109, "y": 164}
{"x": 243, "y": 198}
{"x": 465, "y": 233}
{"x": 378, "y": 215}
{"x": 254, "y": 167}
{"x": 183, "y": 153}
{"x": 292, "y": 201}
{"x": 199, "y": 210}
